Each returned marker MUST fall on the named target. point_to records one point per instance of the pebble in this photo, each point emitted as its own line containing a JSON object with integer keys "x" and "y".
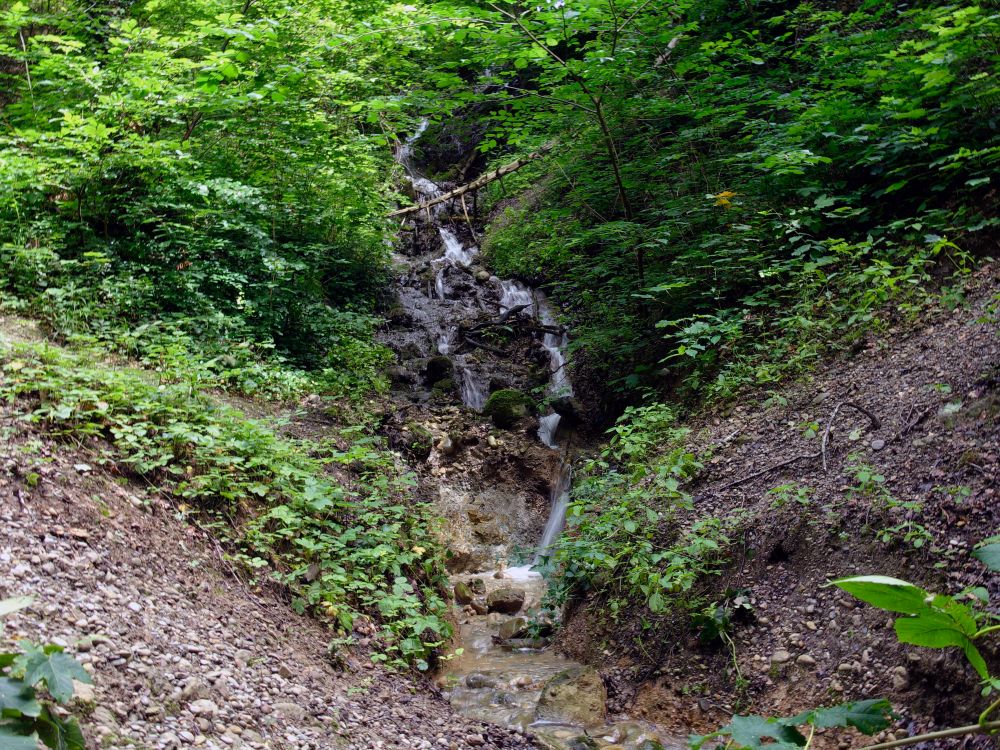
{"x": 805, "y": 660}
{"x": 780, "y": 656}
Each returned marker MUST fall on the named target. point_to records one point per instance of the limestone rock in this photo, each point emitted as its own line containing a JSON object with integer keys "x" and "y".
{"x": 516, "y": 627}
{"x": 507, "y": 600}
{"x": 575, "y": 696}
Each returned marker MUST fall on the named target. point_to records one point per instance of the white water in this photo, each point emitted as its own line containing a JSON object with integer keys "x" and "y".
{"x": 473, "y": 391}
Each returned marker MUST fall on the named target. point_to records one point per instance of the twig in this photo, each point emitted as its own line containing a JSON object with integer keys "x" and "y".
{"x": 769, "y": 469}
{"x": 487, "y": 347}
{"x": 876, "y": 423}
{"x": 987, "y": 728}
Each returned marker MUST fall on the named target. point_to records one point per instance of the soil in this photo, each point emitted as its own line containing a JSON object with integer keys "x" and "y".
{"x": 934, "y": 388}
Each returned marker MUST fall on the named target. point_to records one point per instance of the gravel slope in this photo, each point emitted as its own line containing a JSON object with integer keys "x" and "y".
{"x": 183, "y": 655}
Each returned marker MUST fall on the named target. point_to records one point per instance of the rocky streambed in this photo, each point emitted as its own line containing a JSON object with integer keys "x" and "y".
{"x": 485, "y": 414}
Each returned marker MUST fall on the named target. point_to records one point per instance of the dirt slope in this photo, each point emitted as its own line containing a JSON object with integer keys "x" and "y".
{"x": 183, "y": 655}
{"x": 934, "y": 388}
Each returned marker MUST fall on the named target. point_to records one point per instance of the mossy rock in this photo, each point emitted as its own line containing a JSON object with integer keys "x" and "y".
{"x": 507, "y": 407}
{"x": 417, "y": 440}
{"x": 444, "y": 387}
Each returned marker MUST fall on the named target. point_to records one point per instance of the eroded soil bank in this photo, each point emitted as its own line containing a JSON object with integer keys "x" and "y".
{"x": 934, "y": 386}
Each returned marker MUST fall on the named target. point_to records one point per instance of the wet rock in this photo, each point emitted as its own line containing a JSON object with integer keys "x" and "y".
{"x": 482, "y": 276}
{"x": 479, "y": 606}
{"x": 507, "y": 600}
{"x": 576, "y": 696}
{"x": 463, "y": 594}
{"x": 478, "y": 586}
{"x": 583, "y": 742}
{"x": 516, "y": 627}
{"x": 438, "y": 369}
{"x": 650, "y": 745}
{"x": 506, "y": 407}
{"x": 476, "y": 681}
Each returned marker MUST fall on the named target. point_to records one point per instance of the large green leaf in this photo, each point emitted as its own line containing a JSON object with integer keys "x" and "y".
{"x": 11, "y": 739}
{"x": 751, "y": 731}
{"x": 17, "y": 699}
{"x": 885, "y": 592}
{"x": 934, "y": 629}
{"x": 55, "y": 669}
{"x": 60, "y": 734}
{"x": 989, "y": 555}
{"x": 868, "y": 716}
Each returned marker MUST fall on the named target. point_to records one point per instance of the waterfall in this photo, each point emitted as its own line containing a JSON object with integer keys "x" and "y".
{"x": 442, "y": 306}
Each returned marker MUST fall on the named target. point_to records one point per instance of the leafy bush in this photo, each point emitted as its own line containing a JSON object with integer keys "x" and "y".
{"x": 623, "y": 540}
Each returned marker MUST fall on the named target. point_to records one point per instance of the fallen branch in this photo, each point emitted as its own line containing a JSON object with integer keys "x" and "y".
{"x": 876, "y": 423}
{"x": 481, "y": 181}
{"x": 769, "y": 469}
{"x": 480, "y": 345}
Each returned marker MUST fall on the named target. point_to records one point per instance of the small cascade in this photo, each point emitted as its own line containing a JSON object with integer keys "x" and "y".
{"x": 557, "y": 513}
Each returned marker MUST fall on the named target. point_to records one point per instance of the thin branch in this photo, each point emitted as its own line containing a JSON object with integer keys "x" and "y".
{"x": 477, "y": 183}
{"x": 988, "y": 728}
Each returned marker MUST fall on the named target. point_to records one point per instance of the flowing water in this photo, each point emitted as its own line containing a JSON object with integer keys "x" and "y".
{"x": 494, "y": 681}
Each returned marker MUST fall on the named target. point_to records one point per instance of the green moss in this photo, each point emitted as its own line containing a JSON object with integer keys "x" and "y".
{"x": 505, "y": 407}
{"x": 418, "y": 440}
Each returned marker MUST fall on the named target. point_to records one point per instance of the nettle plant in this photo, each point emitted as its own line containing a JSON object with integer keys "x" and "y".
{"x": 28, "y": 674}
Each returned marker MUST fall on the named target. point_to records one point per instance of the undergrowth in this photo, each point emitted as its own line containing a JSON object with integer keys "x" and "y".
{"x": 628, "y": 538}
{"x": 339, "y": 527}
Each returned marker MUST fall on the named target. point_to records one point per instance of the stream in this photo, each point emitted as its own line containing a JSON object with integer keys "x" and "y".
{"x": 492, "y": 678}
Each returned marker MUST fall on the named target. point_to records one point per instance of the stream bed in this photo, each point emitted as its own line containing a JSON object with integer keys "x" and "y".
{"x": 503, "y": 671}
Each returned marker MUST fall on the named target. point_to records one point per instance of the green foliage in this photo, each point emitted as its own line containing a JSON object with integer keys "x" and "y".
{"x": 183, "y": 172}
{"x": 735, "y": 187}
{"x": 988, "y": 553}
{"x": 931, "y": 620}
{"x": 624, "y": 539}
{"x": 743, "y": 732}
{"x": 24, "y": 720}
{"x": 345, "y": 549}
{"x": 786, "y": 493}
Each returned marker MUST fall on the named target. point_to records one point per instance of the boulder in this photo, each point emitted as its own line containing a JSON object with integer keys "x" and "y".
{"x": 507, "y": 407}
{"x": 479, "y": 606}
{"x": 507, "y": 600}
{"x": 574, "y": 696}
{"x": 463, "y": 594}
{"x": 516, "y": 627}
{"x": 478, "y": 586}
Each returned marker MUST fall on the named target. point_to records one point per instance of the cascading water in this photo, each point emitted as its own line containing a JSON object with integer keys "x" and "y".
{"x": 444, "y": 301}
{"x": 555, "y": 340}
